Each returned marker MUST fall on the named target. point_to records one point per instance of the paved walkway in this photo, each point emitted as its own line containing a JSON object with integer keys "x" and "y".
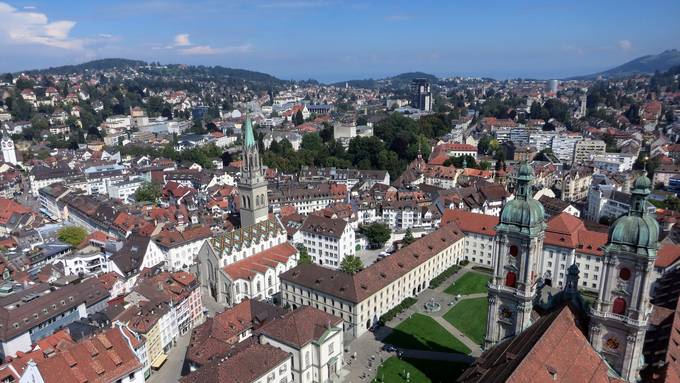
{"x": 472, "y": 345}
{"x": 171, "y": 371}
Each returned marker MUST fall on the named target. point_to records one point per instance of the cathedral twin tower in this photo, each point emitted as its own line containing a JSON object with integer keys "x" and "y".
{"x": 619, "y": 316}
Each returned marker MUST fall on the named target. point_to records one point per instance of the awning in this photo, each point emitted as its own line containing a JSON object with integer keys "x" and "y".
{"x": 158, "y": 362}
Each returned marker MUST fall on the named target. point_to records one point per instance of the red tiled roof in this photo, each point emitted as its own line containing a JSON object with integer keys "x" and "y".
{"x": 102, "y": 358}
{"x": 258, "y": 263}
{"x": 552, "y": 347}
{"x": 471, "y": 222}
{"x": 667, "y": 255}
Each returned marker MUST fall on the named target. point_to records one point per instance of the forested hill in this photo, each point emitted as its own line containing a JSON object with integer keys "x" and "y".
{"x": 103, "y": 64}
{"x": 396, "y": 82}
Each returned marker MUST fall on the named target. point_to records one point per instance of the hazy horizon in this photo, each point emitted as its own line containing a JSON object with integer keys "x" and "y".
{"x": 333, "y": 41}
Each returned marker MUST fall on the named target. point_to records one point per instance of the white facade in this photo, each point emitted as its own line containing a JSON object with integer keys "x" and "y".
{"x": 313, "y": 362}
{"x": 123, "y": 190}
{"x": 614, "y": 162}
{"x": 329, "y": 250}
{"x": 8, "y": 153}
{"x": 89, "y": 260}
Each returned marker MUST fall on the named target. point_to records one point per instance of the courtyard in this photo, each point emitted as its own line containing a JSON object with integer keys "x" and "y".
{"x": 469, "y": 316}
{"x": 469, "y": 283}
{"x": 418, "y": 371}
{"x": 420, "y": 332}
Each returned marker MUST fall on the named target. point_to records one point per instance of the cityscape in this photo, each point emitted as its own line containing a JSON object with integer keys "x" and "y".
{"x": 339, "y": 192}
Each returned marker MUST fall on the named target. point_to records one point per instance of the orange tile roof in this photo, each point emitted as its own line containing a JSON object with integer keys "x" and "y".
{"x": 258, "y": 263}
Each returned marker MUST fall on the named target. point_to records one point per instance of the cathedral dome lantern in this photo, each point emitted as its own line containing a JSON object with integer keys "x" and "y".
{"x": 637, "y": 232}
{"x": 523, "y": 214}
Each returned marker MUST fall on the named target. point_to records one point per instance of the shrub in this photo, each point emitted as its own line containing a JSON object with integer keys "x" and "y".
{"x": 398, "y": 309}
{"x": 439, "y": 279}
{"x": 464, "y": 262}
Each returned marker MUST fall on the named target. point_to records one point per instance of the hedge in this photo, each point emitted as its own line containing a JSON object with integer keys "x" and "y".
{"x": 398, "y": 309}
{"x": 439, "y": 279}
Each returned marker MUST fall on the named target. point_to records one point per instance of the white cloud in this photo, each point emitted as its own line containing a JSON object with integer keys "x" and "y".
{"x": 208, "y": 50}
{"x": 182, "y": 40}
{"x": 20, "y": 27}
{"x": 29, "y": 7}
{"x": 625, "y": 45}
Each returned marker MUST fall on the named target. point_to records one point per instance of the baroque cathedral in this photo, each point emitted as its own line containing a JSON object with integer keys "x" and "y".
{"x": 536, "y": 333}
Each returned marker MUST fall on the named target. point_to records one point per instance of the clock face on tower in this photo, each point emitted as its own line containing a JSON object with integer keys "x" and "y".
{"x": 612, "y": 344}
{"x": 506, "y": 313}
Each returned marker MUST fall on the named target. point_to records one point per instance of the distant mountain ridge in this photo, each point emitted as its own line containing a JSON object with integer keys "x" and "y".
{"x": 642, "y": 65}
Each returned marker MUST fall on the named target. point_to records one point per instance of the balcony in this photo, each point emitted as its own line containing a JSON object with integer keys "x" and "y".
{"x": 623, "y": 318}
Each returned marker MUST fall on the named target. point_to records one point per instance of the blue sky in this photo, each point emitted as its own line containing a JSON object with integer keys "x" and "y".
{"x": 337, "y": 40}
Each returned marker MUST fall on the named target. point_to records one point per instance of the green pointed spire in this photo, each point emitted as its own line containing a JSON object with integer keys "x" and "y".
{"x": 249, "y": 136}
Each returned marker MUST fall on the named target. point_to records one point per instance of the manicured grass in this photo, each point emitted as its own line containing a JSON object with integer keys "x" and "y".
{"x": 469, "y": 283}
{"x": 421, "y": 332}
{"x": 469, "y": 316}
{"x": 421, "y": 371}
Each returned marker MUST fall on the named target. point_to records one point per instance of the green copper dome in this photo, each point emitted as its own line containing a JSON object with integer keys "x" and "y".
{"x": 523, "y": 214}
{"x": 636, "y": 232}
{"x": 519, "y": 212}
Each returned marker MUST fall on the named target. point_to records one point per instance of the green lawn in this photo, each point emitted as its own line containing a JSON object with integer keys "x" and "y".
{"x": 421, "y": 371}
{"x": 421, "y": 332}
{"x": 469, "y": 316}
{"x": 469, "y": 283}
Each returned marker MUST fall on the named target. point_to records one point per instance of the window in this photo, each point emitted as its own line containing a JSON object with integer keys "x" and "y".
{"x": 330, "y": 349}
{"x": 511, "y": 279}
{"x": 307, "y": 363}
{"x": 624, "y": 273}
{"x": 514, "y": 250}
{"x": 619, "y": 306}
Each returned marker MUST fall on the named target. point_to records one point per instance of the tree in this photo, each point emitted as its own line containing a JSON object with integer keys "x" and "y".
{"x": 377, "y": 233}
{"x": 351, "y": 264}
{"x": 305, "y": 259}
{"x": 408, "y": 237}
{"x": 73, "y": 235}
{"x": 298, "y": 119}
{"x": 148, "y": 192}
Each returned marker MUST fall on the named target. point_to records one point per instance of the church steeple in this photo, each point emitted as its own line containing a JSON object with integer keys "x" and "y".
{"x": 252, "y": 185}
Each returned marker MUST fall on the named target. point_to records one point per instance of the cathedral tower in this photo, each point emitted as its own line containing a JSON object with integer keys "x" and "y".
{"x": 518, "y": 246}
{"x": 620, "y": 315}
{"x": 252, "y": 186}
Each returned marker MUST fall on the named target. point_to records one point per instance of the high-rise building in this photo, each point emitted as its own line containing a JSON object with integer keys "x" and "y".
{"x": 518, "y": 248}
{"x": 621, "y": 313}
{"x": 252, "y": 186}
{"x": 422, "y": 95}
{"x": 552, "y": 86}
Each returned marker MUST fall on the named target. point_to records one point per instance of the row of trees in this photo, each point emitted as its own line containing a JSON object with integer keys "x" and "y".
{"x": 396, "y": 142}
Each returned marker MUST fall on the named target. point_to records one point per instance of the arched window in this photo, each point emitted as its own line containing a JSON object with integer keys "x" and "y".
{"x": 624, "y": 273}
{"x": 269, "y": 280}
{"x": 257, "y": 201}
{"x": 243, "y": 201}
{"x": 236, "y": 288}
{"x": 511, "y": 279}
{"x": 259, "y": 288}
{"x": 514, "y": 250}
{"x": 619, "y": 306}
